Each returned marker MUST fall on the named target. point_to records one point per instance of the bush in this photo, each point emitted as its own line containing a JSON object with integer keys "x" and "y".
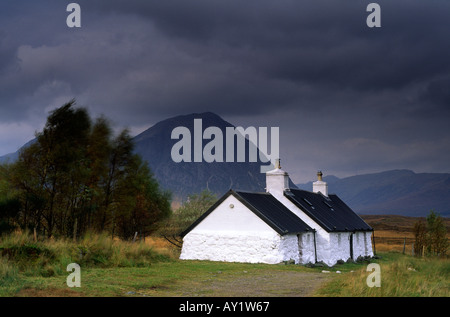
{"x": 431, "y": 237}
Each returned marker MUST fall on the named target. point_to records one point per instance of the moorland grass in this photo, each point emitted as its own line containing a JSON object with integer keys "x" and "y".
{"x": 22, "y": 256}
{"x": 113, "y": 267}
{"x": 401, "y": 276}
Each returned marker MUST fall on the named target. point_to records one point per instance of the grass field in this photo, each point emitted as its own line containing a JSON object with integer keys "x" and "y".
{"x": 151, "y": 268}
{"x": 400, "y": 276}
{"x": 182, "y": 278}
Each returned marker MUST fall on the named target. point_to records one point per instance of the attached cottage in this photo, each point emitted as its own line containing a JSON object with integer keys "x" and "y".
{"x": 279, "y": 225}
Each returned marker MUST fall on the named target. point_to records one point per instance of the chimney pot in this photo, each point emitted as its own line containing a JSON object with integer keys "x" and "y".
{"x": 319, "y": 175}
{"x": 278, "y": 163}
{"x": 320, "y": 185}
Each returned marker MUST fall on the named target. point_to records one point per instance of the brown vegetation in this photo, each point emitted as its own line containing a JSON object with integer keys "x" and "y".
{"x": 393, "y": 232}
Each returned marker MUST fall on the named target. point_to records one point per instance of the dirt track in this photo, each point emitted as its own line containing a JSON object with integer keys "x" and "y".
{"x": 276, "y": 284}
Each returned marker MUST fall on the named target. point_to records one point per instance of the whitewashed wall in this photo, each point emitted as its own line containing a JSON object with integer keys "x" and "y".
{"x": 289, "y": 248}
{"x": 235, "y": 235}
{"x": 232, "y": 247}
{"x": 306, "y": 248}
{"x": 362, "y": 244}
{"x": 339, "y": 246}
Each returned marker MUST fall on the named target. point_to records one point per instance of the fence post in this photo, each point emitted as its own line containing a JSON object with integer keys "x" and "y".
{"x": 404, "y": 245}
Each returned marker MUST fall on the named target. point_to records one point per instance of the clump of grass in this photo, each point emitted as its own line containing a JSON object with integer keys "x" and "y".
{"x": 10, "y": 280}
{"x": 101, "y": 250}
{"x": 8, "y": 272}
{"x": 401, "y": 275}
{"x": 51, "y": 256}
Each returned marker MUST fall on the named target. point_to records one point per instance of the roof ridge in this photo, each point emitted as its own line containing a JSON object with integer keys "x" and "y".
{"x": 251, "y": 192}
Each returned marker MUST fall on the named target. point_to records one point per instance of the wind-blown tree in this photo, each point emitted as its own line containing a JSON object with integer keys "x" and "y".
{"x": 137, "y": 211}
{"x": 98, "y": 152}
{"x": 76, "y": 177}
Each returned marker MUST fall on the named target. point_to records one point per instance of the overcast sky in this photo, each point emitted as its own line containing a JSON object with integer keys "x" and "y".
{"x": 348, "y": 99}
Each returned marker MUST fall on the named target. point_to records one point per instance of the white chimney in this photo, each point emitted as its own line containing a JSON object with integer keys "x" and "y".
{"x": 277, "y": 180}
{"x": 320, "y": 185}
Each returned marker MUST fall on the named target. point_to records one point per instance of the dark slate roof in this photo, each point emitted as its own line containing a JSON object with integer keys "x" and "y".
{"x": 273, "y": 212}
{"x": 267, "y": 208}
{"x": 331, "y": 213}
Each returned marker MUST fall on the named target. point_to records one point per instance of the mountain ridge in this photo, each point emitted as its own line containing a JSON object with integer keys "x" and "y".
{"x": 400, "y": 192}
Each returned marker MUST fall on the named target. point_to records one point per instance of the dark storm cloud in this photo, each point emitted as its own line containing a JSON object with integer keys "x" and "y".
{"x": 438, "y": 93}
{"x": 374, "y": 93}
{"x": 313, "y": 41}
{"x": 249, "y": 49}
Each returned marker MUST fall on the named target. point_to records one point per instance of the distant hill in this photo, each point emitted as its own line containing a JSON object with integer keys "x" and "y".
{"x": 399, "y": 192}
{"x": 11, "y": 157}
{"x": 155, "y": 145}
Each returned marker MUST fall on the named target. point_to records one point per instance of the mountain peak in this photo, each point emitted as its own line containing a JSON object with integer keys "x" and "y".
{"x": 166, "y": 126}
{"x": 183, "y": 178}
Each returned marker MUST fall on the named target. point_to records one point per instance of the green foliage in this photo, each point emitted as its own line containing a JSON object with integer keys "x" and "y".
{"x": 437, "y": 235}
{"x": 431, "y": 236}
{"x": 9, "y": 202}
{"x": 78, "y": 177}
{"x": 9, "y": 274}
{"x": 182, "y": 218}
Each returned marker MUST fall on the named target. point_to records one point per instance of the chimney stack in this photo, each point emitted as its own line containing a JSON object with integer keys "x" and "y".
{"x": 320, "y": 185}
{"x": 277, "y": 180}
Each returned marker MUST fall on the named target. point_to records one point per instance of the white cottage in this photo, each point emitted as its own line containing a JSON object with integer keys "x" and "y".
{"x": 282, "y": 224}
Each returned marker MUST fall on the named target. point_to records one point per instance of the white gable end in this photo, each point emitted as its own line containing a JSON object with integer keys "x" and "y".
{"x": 232, "y": 216}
